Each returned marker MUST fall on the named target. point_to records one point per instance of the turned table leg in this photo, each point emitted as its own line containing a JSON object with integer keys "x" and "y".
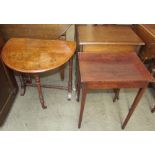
{"x": 37, "y": 80}
{"x": 84, "y": 93}
{"x": 23, "y": 85}
{"x": 70, "y": 79}
{"x": 62, "y": 72}
{"x": 116, "y": 97}
{"x": 134, "y": 105}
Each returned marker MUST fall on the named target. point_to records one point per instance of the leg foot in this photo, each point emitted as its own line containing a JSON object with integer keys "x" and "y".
{"x": 133, "y": 106}
{"x": 84, "y": 93}
{"x": 69, "y": 96}
{"x": 153, "y": 109}
{"x": 116, "y": 97}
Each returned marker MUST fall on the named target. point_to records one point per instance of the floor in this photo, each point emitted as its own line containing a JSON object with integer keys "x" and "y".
{"x": 100, "y": 111}
{"x": 100, "y": 114}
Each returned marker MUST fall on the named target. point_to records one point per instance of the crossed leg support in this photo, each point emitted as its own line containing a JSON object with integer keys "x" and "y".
{"x": 39, "y": 87}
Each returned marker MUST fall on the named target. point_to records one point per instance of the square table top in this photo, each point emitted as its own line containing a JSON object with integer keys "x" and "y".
{"x": 111, "y": 67}
{"x": 107, "y": 34}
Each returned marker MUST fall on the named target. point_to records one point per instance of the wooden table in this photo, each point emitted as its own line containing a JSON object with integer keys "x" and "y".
{"x": 147, "y": 33}
{"x": 35, "y": 31}
{"x": 111, "y": 70}
{"x": 35, "y": 56}
{"x": 115, "y": 38}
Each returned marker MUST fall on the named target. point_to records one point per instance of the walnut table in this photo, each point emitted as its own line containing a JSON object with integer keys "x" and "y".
{"x": 35, "y": 56}
{"x": 111, "y": 70}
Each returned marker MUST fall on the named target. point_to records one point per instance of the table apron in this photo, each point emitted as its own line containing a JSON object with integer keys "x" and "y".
{"x": 115, "y": 48}
{"x": 101, "y": 85}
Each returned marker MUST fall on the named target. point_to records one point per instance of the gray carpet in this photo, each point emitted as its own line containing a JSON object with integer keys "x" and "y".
{"x": 100, "y": 112}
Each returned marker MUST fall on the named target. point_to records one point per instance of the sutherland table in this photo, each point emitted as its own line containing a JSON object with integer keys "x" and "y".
{"x": 109, "y": 70}
{"x": 35, "y": 56}
{"x": 115, "y": 38}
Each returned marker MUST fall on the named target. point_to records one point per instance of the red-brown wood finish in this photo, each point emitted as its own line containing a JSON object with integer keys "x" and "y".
{"x": 36, "y": 56}
{"x": 109, "y": 70}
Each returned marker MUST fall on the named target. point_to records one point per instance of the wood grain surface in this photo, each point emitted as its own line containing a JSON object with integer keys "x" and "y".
{"x": 113, "y": 34}
{"x": 112, "y": 68}
{"x": 36, "y": 55}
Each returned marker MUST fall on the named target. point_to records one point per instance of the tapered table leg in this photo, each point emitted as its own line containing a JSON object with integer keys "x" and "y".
{"x": 70, "y": 79}
{"x": 84, "y": 93}
{"x": 78, "y": 86}
{"x": 37, "y": 80}
{"x": 116, "y": 97}
{"x": 23, "y": 85}
{"x": 134, "y": 105}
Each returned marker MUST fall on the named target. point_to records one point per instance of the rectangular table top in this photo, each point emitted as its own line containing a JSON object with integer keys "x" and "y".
{"x": 108, "y": 34}
{"x": 149, "y": 28}
{"x": 111, "y": 67}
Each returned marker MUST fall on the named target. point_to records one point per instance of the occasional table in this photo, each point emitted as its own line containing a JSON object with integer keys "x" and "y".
{"x": 147, "y": 33}
{"x": 35, "y": 56}
{"x": 107, "y": 38}
{"x": 111, "y": 70}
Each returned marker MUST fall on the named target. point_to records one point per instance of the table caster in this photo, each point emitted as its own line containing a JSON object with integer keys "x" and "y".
{"x": 69, "y": 96}
{"x": 74, "y": 89}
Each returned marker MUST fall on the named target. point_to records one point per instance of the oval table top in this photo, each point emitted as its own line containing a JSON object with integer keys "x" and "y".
{"x": 36, "y": 55}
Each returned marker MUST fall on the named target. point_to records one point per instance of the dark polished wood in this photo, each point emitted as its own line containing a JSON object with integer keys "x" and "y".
{"x": 115, "y": 38}
{"x": 34, "y": 56}
{"x": 112, "y": 71}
